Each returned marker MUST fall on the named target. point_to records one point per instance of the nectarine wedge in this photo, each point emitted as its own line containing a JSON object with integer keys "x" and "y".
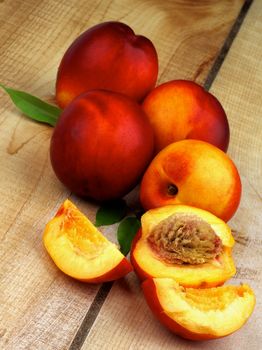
{"x": 188, "y": 244}
{"x": 199, "y": 314}
{"x": 80, "y": 250}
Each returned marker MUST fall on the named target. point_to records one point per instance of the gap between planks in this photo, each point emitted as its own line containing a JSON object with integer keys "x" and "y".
{"x": 104, "y": 290}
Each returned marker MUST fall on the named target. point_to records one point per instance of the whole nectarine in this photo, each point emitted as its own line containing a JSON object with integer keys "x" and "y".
{"x": 107, "y": 56}
{"x": 101, "y": 145}
{"x": 195, "y": 173}
{"x": 181, "y": 109}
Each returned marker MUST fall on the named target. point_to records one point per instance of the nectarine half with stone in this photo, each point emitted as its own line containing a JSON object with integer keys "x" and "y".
{"x": 80, "y": 250}
{"x": 181, "y": 109}
{"x": 188, "y": 244}
{"x": 194, "y": 173}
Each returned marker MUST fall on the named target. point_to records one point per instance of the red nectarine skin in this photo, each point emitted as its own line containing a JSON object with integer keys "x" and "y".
{"x": 182, "y": 109}
{"x": 101, "y": 145}
{"x": 149, "y": 290}
{"x": 119, "y": 271}
{"x": 107, "y": 56}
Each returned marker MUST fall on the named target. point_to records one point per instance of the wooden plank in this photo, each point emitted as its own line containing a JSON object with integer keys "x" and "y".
{"x": 125, "y": 321}
{"x": 40, "y": 307}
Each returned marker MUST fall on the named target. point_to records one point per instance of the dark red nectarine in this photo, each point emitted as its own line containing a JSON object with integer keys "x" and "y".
{"x": 101, "y": 145}
{"x": 107, "y": 56}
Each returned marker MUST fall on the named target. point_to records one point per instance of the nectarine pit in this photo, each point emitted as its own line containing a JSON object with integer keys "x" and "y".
{"x": 185, "y": 239}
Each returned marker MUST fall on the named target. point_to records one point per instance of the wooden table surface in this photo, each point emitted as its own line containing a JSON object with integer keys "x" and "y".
{"x": 216, "y": 43}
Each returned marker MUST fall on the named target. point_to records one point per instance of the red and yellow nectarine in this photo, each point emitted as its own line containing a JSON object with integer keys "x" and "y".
{"x": 199, "y": 314}
{"x": 101, "y": 145}
{"x": 107, "y": 56}
{"x": 181, "y": 109}
{"x": 188, "y": 244}
{"x": 80, "y": 250}
{"x": 195, "y": 173}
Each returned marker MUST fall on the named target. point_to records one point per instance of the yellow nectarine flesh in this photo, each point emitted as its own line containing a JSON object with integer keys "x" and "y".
{"x": 187, "y": 243}
{"x": 199, "y": 314}
{"x": 80, "y": 250}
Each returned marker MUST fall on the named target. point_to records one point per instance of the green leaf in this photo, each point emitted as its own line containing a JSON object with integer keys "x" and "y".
{"x": 111, "y": 212}
{"x": 33, "y": 107}
{"x": 127, "y": 230}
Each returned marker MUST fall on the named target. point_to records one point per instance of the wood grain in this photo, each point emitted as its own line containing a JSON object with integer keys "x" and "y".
{"x": 40, "y": 308}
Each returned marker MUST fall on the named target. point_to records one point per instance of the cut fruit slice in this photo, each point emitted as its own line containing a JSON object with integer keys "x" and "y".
{"x": 150, "y": 262}
{"x": 199, "y": 314}
{"x": 80, "y": 250}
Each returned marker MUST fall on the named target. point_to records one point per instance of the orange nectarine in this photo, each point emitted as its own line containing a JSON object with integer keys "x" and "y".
{"x": 199, "y": 314}
{"x": 181, "y": 109}
{"x": 80, "y": 250}
{"x": 195, "y": 173}
{"x": 187, "y": 244}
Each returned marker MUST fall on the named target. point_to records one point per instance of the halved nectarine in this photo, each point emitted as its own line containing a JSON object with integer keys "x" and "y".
{"x": 188, "y": 244}
{"x": 80, "y": 250}
{"x": 199, "y": 314}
